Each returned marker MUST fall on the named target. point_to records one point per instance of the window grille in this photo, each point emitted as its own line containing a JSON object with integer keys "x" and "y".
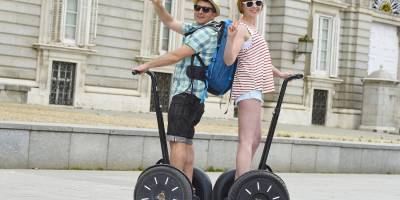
{"x": 163, "y": 89}
{"x": 319, "y": 107}
{"x": 62, "y": 83}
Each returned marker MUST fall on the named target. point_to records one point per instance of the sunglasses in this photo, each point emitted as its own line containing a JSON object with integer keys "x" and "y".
{"x": 205, "y": 9}
{"x": 251, "y": 3}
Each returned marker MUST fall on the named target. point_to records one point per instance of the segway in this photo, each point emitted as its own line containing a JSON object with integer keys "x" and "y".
{"x": 261, "y": 184}
{"x": 163, "y": 181}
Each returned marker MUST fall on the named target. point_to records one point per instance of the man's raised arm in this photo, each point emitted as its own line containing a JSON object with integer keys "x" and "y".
{"x": 166, "y": 18}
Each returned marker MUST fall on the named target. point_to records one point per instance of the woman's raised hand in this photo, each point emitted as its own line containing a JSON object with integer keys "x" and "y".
{"x": 233, "y": 29}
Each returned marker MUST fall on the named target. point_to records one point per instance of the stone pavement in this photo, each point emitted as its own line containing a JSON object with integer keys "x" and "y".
{"x": 118, "y": 185}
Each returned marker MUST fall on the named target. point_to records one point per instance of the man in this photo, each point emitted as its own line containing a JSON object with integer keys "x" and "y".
{"x": 187, "y": 104}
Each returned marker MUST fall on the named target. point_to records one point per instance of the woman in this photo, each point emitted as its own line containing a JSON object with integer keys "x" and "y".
{"x": 254, "y": 76}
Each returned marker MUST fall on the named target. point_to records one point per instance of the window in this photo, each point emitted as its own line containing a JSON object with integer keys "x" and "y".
{"x": 164, "y": 33}
{"x": 73, "y": 22}
{"x": 159, "y": 32}
{"x": 324, "y": 41}
{"x": 62, "y": 83}
{"x": 71, "y": 19}
{"x": 384, "y": 48}
{"x": 326, "y": 49}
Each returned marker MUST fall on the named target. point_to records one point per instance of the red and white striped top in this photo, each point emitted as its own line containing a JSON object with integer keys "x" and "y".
{"x": 254, "y": 69}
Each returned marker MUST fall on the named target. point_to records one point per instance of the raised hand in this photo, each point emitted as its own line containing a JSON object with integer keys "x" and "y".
{"x": 159, "y": 2}
{"x": 233, "y": 29}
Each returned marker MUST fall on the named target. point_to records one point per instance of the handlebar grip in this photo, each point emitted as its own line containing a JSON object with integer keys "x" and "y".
{"x": 295, "y": 76}
{"x": 135, "y": 72}
{"x": 150, "y": 73}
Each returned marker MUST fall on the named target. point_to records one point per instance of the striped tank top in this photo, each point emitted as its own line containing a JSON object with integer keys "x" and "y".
{"x": 254, "y": 69}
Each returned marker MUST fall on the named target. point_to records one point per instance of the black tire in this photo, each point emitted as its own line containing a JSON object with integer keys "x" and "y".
{"x": 202, "y": 184}
{"x": 223, "y": 184}
{"x": 162, "y": 182}
{"x": 259, "y": 184}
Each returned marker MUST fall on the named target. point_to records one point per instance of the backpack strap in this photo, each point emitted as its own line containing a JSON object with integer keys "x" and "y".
{"x": 198, "y": 58}
{"x": 211, "y": 24}
{"x": 197, "y": 55}
{"x": 229, "y": 102}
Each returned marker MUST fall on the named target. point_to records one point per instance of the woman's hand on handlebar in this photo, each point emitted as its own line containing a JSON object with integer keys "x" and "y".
{"x": 285, "y": 75}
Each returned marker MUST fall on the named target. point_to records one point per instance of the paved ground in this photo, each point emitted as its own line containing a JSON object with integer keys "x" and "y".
{"x": 10, "y": 112}
{"x": 117, "y": 185}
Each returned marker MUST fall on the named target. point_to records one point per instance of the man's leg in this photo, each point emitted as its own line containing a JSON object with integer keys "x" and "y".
{"x": 185, "y": 112}
{"x": 188, "y": 168}
{"x": 197, "y": 112}
{"x": 178, "y": 155}
{"x": 182, "y": 157}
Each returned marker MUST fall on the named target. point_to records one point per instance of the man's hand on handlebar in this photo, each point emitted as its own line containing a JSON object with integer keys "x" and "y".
{"x": 139, "y": 69}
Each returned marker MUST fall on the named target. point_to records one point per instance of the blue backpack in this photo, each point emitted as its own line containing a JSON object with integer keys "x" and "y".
{"x": 217, "y": 76}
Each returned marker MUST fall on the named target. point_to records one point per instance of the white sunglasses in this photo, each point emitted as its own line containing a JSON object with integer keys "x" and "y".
{"x": 249, "y": 4}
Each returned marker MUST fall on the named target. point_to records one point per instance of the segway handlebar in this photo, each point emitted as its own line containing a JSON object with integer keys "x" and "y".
{"x": 274, "y": 121}
{"x": 295, "y": 76}
{"x": 135, "y": 72}
{"x": 151, "y": 74}
{"x": 160, "y": 120}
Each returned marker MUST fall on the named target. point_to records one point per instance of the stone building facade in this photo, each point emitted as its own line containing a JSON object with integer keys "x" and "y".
{"x": 79, "y": 52}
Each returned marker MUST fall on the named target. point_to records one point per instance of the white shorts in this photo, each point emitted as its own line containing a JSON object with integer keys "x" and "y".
{"x": 254, "y": 94}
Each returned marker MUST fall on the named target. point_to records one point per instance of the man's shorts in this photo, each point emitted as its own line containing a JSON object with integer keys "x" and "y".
{"x": 184, "y": 113}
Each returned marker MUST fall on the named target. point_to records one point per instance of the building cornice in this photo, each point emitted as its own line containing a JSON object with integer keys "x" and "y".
{"x": 380, "y": 80}
{"x": 333, "y": 3}
{"x": 18, "y": 82}
{"x": 61, "y": 47}
{"x": 324, "y": 80}
{"x": 386, "y": 18}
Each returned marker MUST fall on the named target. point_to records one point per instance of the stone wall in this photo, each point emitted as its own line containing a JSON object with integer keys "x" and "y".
{"x": 80, "y": 147}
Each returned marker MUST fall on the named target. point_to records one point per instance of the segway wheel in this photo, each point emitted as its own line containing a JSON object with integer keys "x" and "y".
{"x": 223, "y": 184}
{"x": 260, "y": 185}
{"x": 202, "y": 184}
{"x": 162, "y": 182}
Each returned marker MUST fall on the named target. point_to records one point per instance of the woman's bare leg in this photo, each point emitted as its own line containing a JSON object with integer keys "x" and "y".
{"x": 249, "y": 117}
